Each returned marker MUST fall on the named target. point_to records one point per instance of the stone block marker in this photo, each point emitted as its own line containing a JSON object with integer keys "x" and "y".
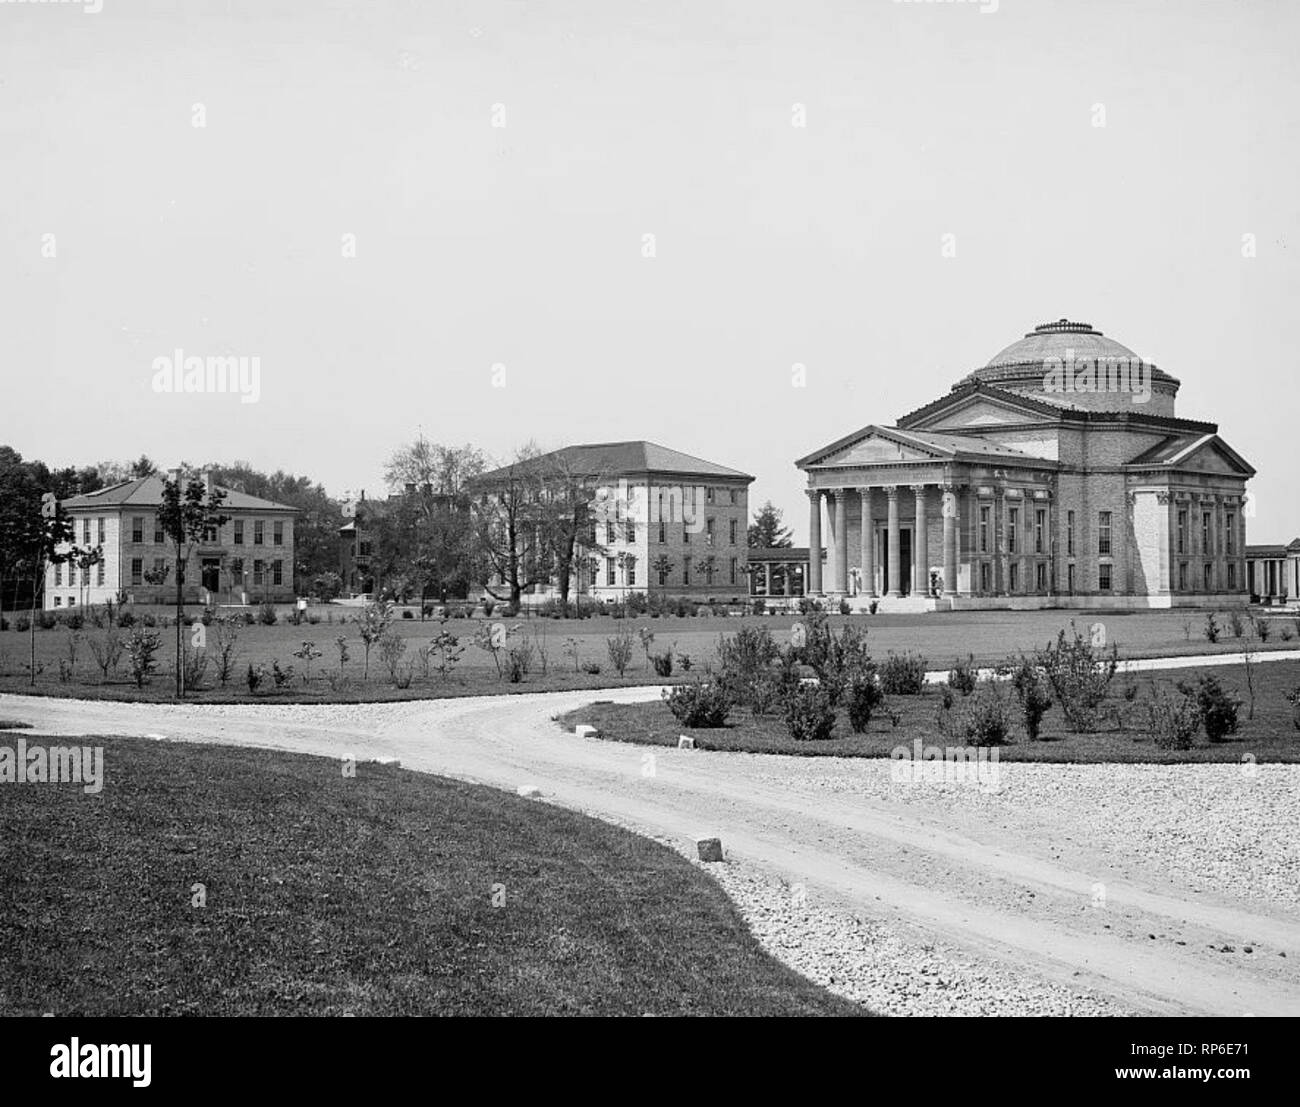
{"x": 685, "y": 742}
{"x": 709, "y": 849}
{"x": 529, "y": 791}
{"x": 586, "y": 730}
{"x": 388, "y": 761}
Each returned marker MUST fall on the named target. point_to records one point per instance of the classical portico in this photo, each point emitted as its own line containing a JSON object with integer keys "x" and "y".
{"x": 1009, "y": 493}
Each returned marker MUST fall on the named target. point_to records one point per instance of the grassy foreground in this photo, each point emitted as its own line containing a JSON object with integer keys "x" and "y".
{"x": 1269, "y": 737}
{"x": 372, "y": 895}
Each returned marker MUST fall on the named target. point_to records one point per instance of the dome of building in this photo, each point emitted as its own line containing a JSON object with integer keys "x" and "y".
{"x": 1053, "y": 363}
{"x": 1059, "y": 340}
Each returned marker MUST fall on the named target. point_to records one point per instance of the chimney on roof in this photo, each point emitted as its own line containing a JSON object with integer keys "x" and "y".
{"x": 174, "y": 475}
{"x": 207, "y": 481}
{"x": 410, "y": 488}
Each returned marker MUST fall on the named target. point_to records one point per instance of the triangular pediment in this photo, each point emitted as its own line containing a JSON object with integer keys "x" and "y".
{"x": 876, "y": 446}
{"x": 1207, "y": 453}
{"x": 981, "y": 409}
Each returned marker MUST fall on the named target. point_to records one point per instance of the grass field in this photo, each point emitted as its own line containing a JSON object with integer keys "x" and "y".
{"x": 1269, "y": 737}
{"x": 941, "y": 637}
{"x": 366, "y": 896}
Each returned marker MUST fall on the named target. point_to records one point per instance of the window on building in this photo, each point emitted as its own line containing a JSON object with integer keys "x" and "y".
{"x": 100, "y": 530}
{"x": 1209, "y": 577}
{"x": 277, "y": 572}
{"x": 732, "y": 493}
{"x": 630, "y": 530}
{"x": 1013, "y": 525}
{"x": 731, "y": 534}
{"x": 237, "y": 568}
{"x": 1182, "y": 576}
{"x": 137, "y": 528}
{"x": 591, "y": 533}
{"x": 734, "y": 568}
{"x": 686, "y": 571}
{"x": 1069, "y": 533}
{"x": 708, "y": 531}
{"x": 984, "y": 528}
{"x": 1103, "y": 575}
{"x": 259, "y": 532}
{"x": 663, "y": 576}
{"x": 158, "y": 537}
{"x": 708, "y": 495}
{"x": 277, "y": 532}
{"x": 1013, "y": 578}
{"x": 1232, "y": 576}
{"x": 1040, "y": 529}
{"x": 210, "y": 535}
{"x": 1182, "y": 532}
{"x": 610, "y": 570}
{"x": 1069, "y": 579}
{"x": 1205, "y": 532}
{"x": 85, "y": 531}
{"x": 611, "y": 532}
{"x": 259, "y": 571}
{"x": 99, "y": 573}
{"x": 159, "y": 567}
{"x": 631, "y": 571}
{"x": 137, "y": 570}
{"x": 72, "y": 601}
{"x": 1040, "y": 581}
{"x": 985, "y": 586}
{"x": 1103, "y": 533}
{"x": 239, "y": 532}
{"x": 663, "y": 532}
{"x": 58, "y": 601}
{"x": 1230, "y": 531}
{"x": 58, "y": 574}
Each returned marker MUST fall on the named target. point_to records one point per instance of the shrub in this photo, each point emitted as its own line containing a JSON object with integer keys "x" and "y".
{"x": 620, "y": 648}
{"x": 280, "y": 676}
{"x": 845, "y": 607}
{"x": 23, "y": 623}
{"x": 591, "y": 668}
{"x": 141, "y": 647}
{"x": 984, "y": 719}
{"x": 863, "y": 695}
{"x": 1293, "y": 698}
{"x": 1217, "y": 707}
{"x": 809, "y": 713}
{"x": 1080, "y": 676}
{"x": 834, "y": 658}
{"x": 1211, "y": 629}
{"x": 758, "y": 605}
{"x": 903, "y": 674}
{"x": 1032, "y": 692}
{"x": 392, "y": 647}
{"x": 489, "y": 606}
{"x": 743, "y": 662}
{"x": 47, "y": 620}
{"x": 194, "y": 666}
{"x": 1262, "y": 628}
{"x": 106, "y": 649}
{"x": 266, "y": 615}
{"x": 699, "y": 705}
{"x": 148, "y": 619}
{"x": 962, "y": 677}
{"x": 809, "y": 606}
{"x": 1236, "y": 623}
{"x": 255, "y": 677}
{"x": 1174, "y": 718}
{"x": 74, "y": 620}
{"x": 663, "y": 663}
{"x": 684, "y": 660}
{"x": 407, "y": 613}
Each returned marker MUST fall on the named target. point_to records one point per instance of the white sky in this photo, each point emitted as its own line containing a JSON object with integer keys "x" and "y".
{"x": 522, "y": 245}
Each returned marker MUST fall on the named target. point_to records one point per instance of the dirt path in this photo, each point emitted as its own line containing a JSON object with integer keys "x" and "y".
{"x": 1017, "y": 875}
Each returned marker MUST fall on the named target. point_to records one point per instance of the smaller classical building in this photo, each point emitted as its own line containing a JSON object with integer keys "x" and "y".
{"x": 1273, "y": 572}
{"x": 249, "y": 559}
{"x": 661, "y": 521}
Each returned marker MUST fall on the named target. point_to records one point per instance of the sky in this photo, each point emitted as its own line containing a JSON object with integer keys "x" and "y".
{"x": 432, "y": 218}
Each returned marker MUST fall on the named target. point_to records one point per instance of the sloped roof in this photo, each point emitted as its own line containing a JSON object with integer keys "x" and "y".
{"x": 148, "y": 492}
{"x": 956, "y": 446}
{"x": 1176, "y": 449}
{"x": 616, "y": 458}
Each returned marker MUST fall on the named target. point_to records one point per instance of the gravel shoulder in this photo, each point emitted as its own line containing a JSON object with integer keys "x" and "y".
{"x": 1097, "y": 889}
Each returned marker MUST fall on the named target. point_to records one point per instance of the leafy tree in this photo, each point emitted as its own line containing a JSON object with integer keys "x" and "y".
{"x": 183, "y": 517}
{"x": 766, "y": 531}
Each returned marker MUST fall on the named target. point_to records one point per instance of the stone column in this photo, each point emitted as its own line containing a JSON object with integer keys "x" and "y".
{"x": 868, "y": 551}
{"x": 891, "y": 491}
{"x": 921, "y": 545}
{"x": 813, "y": 583}
{"x": 767, "y": 578}
{"x": 841, "y": 541}
{"x": 949, "y": 540}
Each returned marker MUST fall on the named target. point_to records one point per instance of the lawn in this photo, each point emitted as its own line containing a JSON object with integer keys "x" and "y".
{"x": 1269, "y": 737}
{"x": 368, "y": 896}
{"x": 989, "y": 635}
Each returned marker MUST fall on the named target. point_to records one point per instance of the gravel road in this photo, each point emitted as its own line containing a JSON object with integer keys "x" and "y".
{"x": 1070, "y": 889}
